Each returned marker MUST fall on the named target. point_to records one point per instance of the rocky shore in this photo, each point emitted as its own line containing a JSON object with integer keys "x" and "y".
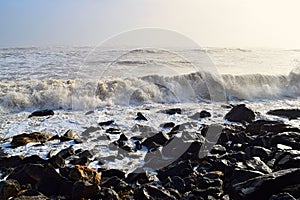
{"x": 250, "y": 159}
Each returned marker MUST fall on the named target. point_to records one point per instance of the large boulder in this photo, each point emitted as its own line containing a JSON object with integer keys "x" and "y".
{"x": 263, "y": 187}
{"x": 240, "y": 113}
{"x": 40, "y": 113}
{"x": 288, "y": 113}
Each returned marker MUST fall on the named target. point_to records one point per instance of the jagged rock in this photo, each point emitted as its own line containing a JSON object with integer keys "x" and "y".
{"x": 114, "y": 131}
{"x": 257, "y": 151}
{"x": 24, "y": 138}
{"x": 240, "y": 113}
{"x": 69, "y": 135}
{"x": 106, "y": 123}
{"x": 218, "y": 149}
{"x": 149, "y": 192}
{"x": 168, "y": 125}
{"x": 30, "y": 195}
{"x": 43, "y": 177}
{"x": 263, "y": 187}
{"x": 112, "y": 172}
{"x": 9, "y": 188}
{"x": 138, "y": 175}
{"x": 84, "y": 190}
{"x": 256, "y": 126}
{"x": 157, "y": 139}
{"x": 57, "y": 161}
{"x": 172, "y": 111}
{"x": 140, "y": 117}
{"x": 288, "y": 113}
{"x": 65, "y": 153}
{"x": 107, "y": 194}
{"x": 202, "y": 114}
{"x": 282, "y": 196}
{"x": 40, "y": 113}
{"x": 84, "y": 173}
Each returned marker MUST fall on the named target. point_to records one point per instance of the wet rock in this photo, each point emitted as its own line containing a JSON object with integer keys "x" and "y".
{"x": 89, "y": 130}
{"x": 24, "y": 138}
{"x": 257, "y": 151}
{"x": 288, "y": 113}
{"x": 168, "y": 125}
{"x": 256, "y": 164}
{"x": 114, "y": 131}
{"x": 282, "y": 196}
{"x": 157, "y": 139}
{"x": 40, "y": 113}
{"x": 106, "y": 123}
{"x": 182, "y": 169}
{"x": 256, "y": 126}
{"x": 65, "y": 153}
{"x": 84, "y": 190}
{"x": 84, "y": 173}
{"x": 218, "y": 149}
{"x": 152, "y": 192}
{"x": 31, "y": 195}
{"x": 113, "y": 172}
{"x": 138, "y": 175}
{"x": 57, "y": 161}
{"x": 240, "y": 113}
{"x": 140, "y": 117}
{"x": 142, "y": 128}
{"x": 11, "y": 162}
{"x": 9, "y": 188}
{"x": 263, "y": 187}
{"x": 107, "y": 194}
{"x": 43, "y": 177}
{"x": 240, "y": 175}
{"x": 172, "y": 111}
{"x": 202, "y": 114}
{"x": 291, "y": 139}
{"x": 69, "y": 135}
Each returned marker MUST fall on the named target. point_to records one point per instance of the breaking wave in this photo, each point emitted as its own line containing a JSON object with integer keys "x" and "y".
{"x": 86, "y": 94}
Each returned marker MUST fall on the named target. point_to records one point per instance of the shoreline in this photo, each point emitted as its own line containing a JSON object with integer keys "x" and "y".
{"x": 250, "y": 151}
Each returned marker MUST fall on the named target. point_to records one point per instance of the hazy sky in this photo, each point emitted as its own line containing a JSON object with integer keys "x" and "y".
{"x": 223, "y": 23}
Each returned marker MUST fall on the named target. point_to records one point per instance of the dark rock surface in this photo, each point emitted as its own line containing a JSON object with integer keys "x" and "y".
{"x": 40, "y": 113}
{"x": 240, "y": 113}
{"x": 288, "y": 113}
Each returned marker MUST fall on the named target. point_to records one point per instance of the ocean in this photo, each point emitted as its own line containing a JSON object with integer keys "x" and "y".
{"x": 85, "y": 86}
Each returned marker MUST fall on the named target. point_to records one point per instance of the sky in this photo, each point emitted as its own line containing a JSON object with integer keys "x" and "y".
{"x": 220, "y": 23}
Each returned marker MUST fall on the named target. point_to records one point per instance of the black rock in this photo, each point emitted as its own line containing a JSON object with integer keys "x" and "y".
{"x": 256, "y": 126}
{"x": 182, "y": 169}
{"x": 168, "y": 125}
{"x": 9, "y": 188}
{"x": 288, "y": 113}
{"x": 65, "y": 153}
{"x": 107, "y": 194}
{"x": 257, "y": 151}
{"x": 240, "y": 113}
{"x": 31, "y": 195}
{"x": 112, "y": 172}
{"x": 149, "y": 192}
{"x": 140, "y": 116}
{"x": 157, "y": 139}
{"x": 218, "y": 149}
{"x": 263, "y": 187}
{"x": 204, "y": 114}
{"x": 41, "y": 113}
{"x": 172, "y": 111}
{"x": 43, "y": 177}
{"x": 57, "y": 161}
{"x": 282, "y": 196}
{"x": 84, "y": 190}
{"x": 106, "y": 123}
{"x": 112, "y": 130}
{"x": 138, "y": 175}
